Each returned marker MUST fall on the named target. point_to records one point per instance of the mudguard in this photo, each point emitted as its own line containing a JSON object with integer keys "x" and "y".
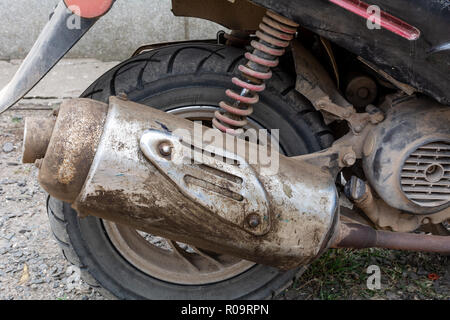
{"x": 68, "y": 24}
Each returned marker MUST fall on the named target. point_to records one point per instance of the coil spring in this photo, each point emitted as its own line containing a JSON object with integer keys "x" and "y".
{"x": 274, "y": 36}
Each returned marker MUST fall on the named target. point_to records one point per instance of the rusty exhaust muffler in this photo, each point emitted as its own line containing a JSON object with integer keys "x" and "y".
{"x": 170, "y": 177}
{"x": 147, "y": 169}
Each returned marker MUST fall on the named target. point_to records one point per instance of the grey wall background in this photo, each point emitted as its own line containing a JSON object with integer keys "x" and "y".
{"x": 130, "y": 24}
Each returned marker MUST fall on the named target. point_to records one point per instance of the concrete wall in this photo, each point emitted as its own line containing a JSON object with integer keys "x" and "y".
{"x": 116, "y": 36}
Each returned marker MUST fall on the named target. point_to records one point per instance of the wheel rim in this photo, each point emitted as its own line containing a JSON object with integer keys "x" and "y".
{"x": 172, "y": 261}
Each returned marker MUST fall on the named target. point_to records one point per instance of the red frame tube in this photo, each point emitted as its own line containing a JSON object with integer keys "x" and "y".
{"x": 387, "y": 20}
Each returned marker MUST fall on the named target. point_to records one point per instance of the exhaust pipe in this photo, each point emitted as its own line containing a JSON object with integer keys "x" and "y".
{"x": 170, "y": 177}
{"x": 358, "y": 236}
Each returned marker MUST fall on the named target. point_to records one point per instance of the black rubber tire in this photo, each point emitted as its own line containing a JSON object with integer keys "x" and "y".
{"x": 180, "y": 75}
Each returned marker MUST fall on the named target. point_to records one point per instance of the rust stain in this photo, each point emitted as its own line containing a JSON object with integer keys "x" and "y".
{"x": 66, "y": 172}
{"x": 287, "y": 190}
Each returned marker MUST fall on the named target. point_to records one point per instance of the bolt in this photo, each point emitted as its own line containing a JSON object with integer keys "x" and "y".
{"x": 254, "y": 220}
{"x": 355, "y": 189}
{"x": 165, "y": 149}
{"x": 349, "y": 159}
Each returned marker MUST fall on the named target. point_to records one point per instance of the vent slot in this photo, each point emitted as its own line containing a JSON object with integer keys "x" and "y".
{"x": 425, "y": 176}
{"x": 190, "y": 180}
{"x": 206, "y": 153}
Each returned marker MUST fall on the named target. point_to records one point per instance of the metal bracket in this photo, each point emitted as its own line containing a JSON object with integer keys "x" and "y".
{"x": 218, "y": 180}
{"x": 343, "y": 153}
{"x": 316, "y": 85}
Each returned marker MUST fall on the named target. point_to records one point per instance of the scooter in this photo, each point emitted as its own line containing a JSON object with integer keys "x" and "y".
{"x": 220, "y": 169}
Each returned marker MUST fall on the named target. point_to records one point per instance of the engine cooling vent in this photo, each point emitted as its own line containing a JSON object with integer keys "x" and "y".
{"x": 425, "y": 176}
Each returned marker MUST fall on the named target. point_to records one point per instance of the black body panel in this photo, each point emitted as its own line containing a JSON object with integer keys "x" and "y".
{"x": 423, "y": 63}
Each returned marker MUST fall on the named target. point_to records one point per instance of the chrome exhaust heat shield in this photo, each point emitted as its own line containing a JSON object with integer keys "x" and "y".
{"x": 144, "y": 168}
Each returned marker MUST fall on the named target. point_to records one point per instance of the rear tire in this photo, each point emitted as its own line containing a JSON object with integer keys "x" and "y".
{"x": 168, "y": 78}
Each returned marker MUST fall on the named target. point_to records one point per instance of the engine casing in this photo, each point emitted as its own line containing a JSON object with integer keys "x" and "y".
{"x": 407, "y": 157}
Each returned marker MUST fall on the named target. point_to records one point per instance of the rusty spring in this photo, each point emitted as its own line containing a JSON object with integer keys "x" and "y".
{"x": 274, "y": 36}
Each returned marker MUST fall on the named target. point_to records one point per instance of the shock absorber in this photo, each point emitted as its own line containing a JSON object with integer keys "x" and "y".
{"x": 274, "y": 35}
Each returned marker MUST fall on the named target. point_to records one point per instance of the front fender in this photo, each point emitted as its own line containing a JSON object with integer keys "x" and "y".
{"x": 68, "y": 24}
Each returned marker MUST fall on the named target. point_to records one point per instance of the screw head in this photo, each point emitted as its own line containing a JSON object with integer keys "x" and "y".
{"x": 254, "y": 220}
{"x": 165, "y": 149}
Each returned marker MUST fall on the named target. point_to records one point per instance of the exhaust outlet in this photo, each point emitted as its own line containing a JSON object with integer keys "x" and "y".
{"x": 72, "y": 139}
{"x": 170, "y": 177}
{"x": 37, "y": 134}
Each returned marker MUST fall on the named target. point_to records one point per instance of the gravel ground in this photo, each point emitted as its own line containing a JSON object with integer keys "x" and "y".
{"x": 31, "y": 263}
{"x": 33, "y": 267}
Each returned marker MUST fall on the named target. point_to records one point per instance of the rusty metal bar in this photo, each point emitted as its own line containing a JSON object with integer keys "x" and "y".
{"x": 358, "y": 236}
